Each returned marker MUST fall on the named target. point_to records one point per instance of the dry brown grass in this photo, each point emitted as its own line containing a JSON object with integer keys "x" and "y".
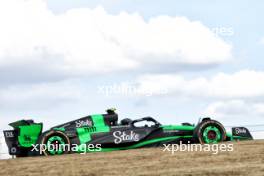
{"x": 246, "y": 159}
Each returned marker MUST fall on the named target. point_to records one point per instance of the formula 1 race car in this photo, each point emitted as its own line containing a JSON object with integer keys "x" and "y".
{"x": 102, "y": 132}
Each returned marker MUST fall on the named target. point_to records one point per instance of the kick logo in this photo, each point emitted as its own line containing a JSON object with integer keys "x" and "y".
{"x": 123, "y": 136}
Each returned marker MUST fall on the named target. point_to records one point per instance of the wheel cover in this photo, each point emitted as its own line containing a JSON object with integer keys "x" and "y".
{"x": 211, "y": 134}
{"x": 55, "y": 143}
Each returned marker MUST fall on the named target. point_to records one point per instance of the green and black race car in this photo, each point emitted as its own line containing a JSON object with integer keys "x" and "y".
{"x": 103, "y": 132}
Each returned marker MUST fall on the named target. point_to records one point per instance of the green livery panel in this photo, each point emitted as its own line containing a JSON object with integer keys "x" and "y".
{"x": 99, "y": 126}
{"x": 28, "y": 135}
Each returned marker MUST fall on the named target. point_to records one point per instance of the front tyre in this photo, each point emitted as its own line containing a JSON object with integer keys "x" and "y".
{"x": 55, "y": 143}
{"x": 209, "y": 132}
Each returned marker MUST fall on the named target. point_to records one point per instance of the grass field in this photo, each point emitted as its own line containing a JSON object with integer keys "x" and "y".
{"x": 246, "y": 159}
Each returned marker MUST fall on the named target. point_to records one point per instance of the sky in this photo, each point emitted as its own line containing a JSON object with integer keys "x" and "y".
{"x": 174, "y": 60}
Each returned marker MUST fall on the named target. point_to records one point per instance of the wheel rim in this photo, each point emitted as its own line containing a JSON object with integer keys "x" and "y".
{"x": 55, "y": 145}
{"x": 211, "y": 134}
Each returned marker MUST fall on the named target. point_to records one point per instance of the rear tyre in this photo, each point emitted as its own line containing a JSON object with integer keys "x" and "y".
{"x": 209, "y": 132}
{"x": 55, "y": 143}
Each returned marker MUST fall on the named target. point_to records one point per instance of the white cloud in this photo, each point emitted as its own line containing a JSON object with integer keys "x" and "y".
{"x": 238, "y": 107}
{"x": 83, "y": 40}
{"x": 242, "y": 84}
{"x": 258, "y": 135}
{"x": 40, "y": 96}
{"x": 238, "y": 112}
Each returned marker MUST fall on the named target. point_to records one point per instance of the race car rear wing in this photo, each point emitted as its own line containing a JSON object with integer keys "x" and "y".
{"x": 23, "y": 136}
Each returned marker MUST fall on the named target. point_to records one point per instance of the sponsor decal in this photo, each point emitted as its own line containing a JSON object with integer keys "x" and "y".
{"x": 9, "y": 134}
{"x": 27, "y": 138}
{"x": 170, "y": 131}
{"x": 240, "y": 131}
{"x": 90, "y": 129}
{"x": 81, "y": 123}
{"x": 124, "y": 137}
{"x": 66, "y": 125}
